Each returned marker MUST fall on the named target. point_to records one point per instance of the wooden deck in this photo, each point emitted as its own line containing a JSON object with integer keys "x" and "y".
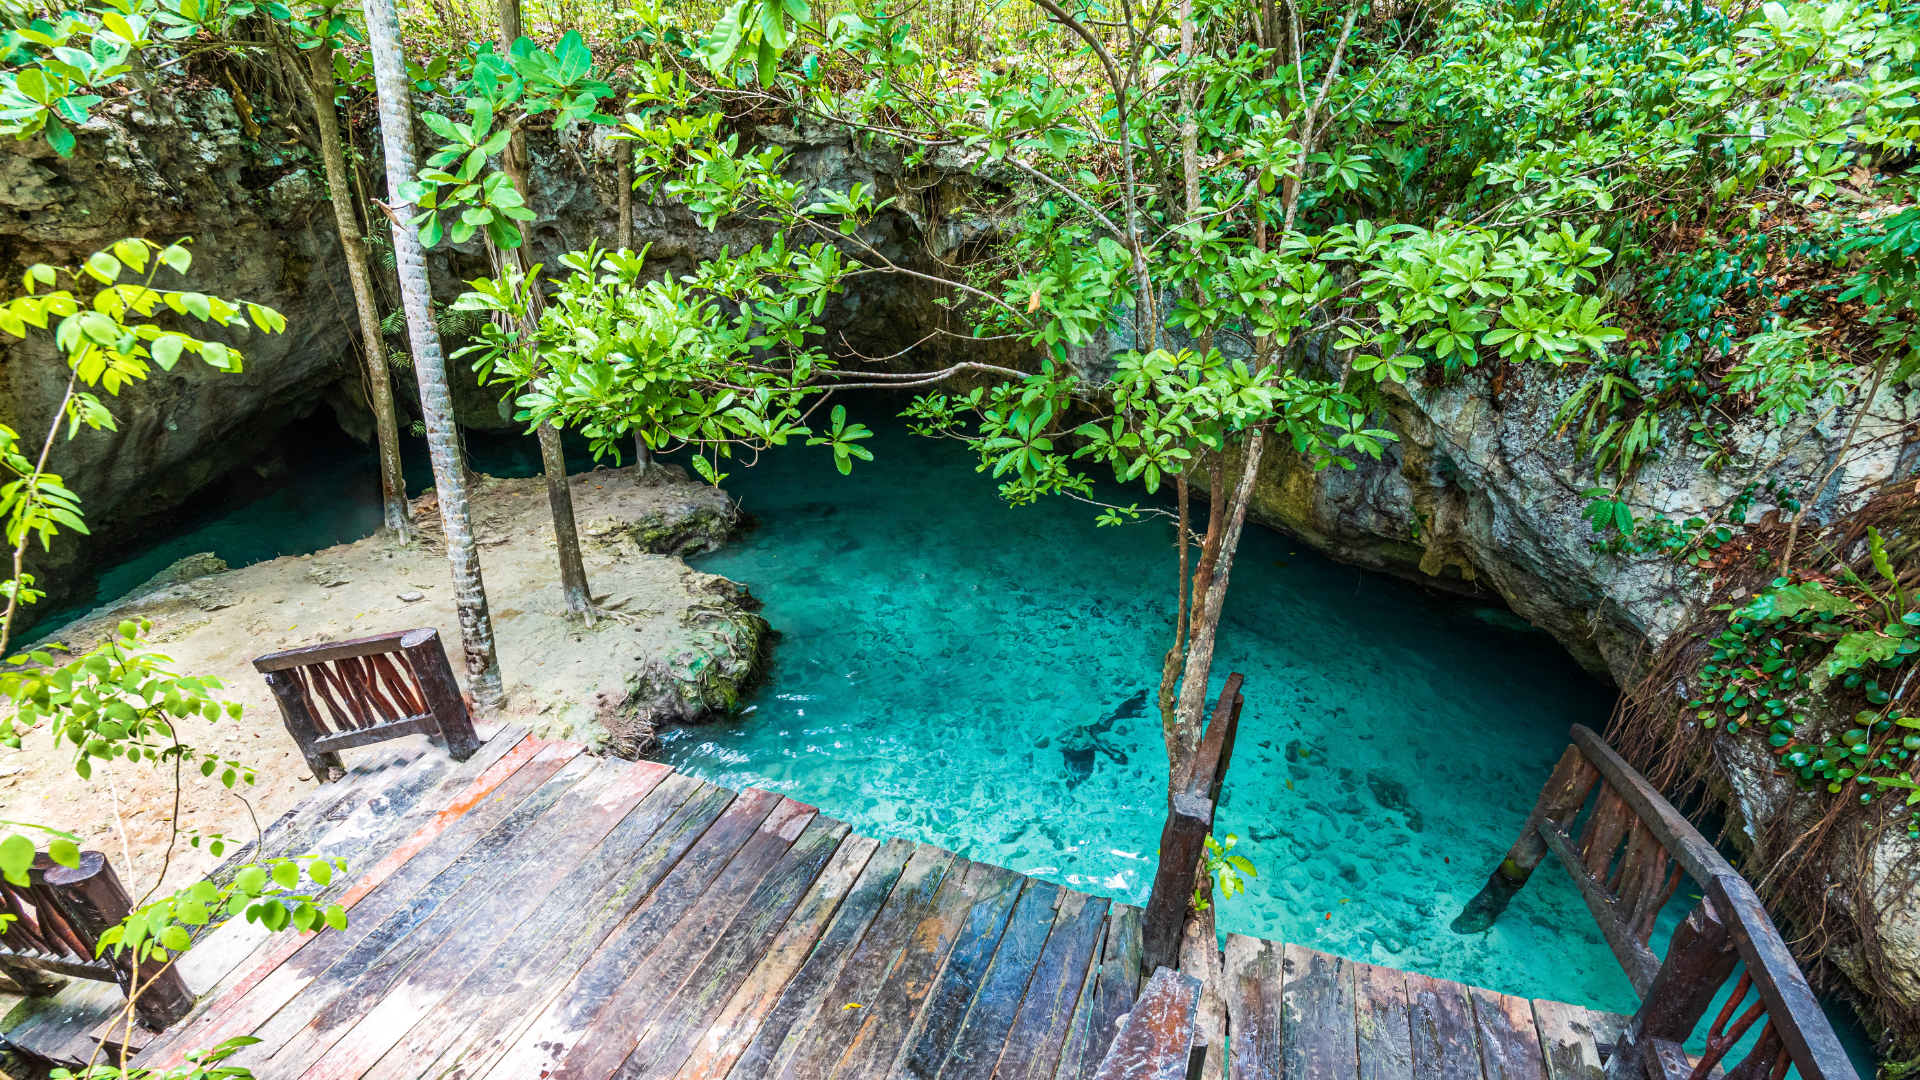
{"x": 537, "y": 913}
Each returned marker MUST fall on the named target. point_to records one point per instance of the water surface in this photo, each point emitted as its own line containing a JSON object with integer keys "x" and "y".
{"x": 975, "y": 675}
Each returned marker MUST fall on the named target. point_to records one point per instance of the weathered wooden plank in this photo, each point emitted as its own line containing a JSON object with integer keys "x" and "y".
{"x": 573, "y": 911}
{"x": 1567, "y": 1041}
{"x": 813, "y": 1054}
{"x": 1509, "y": 1045}
{"x": 540, "y": 1048}
{"x": 801, "y": 1000}
{"x": 246, "y": 999}
{"x": 516, "y": 1004}
{"x": 607, "y": 1042}
{"x": 1255, "y": 979}
{"x": 1073, "y": 1052}
{"x": 324, "y": 813}
{"x": 1317, "y": 1036}
{"x": 894, "y": 1017}
{"x": 332, "y": 1002}
{"x": 680, "y": 1024}
{"x": 1157, "y": 1039}
{"x": 455, "y": 944}
{"x": 975, "y": 1051}
{"x": 1384, "y": 1022}
{"x": 1119, "y": 980}
{"x": 726, "y": 1037}
{"x": 952, "y": 993}
{"x": 57, "y": 1028}
{"x": 1445, "y": 1046}
{"x": 1033, "y": 1044}
{"x": 226, "y": 953}
{"x": 393, "y": 729}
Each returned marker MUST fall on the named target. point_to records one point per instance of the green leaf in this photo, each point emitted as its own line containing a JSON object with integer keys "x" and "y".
{"x": 1794, "y": 599}
{"x": 250, "y": 881}
{"x": 1860, "y": 649}
{"x": 16, "y": 858}
{"x": 63, "y": 851}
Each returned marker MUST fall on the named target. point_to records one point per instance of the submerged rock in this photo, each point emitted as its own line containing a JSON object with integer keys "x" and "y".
{"x": 1080, "y": 743}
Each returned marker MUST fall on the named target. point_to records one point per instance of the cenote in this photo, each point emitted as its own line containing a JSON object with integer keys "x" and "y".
{"x": 961, "y": 672}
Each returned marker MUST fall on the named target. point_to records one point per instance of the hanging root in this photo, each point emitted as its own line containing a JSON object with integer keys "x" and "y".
{"x": 1811, "y": 854}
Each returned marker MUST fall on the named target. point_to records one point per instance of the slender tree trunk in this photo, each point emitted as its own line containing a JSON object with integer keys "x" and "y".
{"x": 624, "y": 232}
{"x": 1193, "y": 683}
{"x": 393, "y": 482}
{"x": 436, "y": 401}
{"x": 509, "y": 12}
{"x": 566, "y": 534}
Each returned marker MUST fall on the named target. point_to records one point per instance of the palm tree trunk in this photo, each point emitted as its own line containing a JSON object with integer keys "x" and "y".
{"x": 436, "y": 402}
{"x": 393, "y": 483}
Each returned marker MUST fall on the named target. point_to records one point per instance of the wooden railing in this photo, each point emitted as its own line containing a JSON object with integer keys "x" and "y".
{"x": 1184, "y": 836}
{"x": 1628, "y": 860}
{"x": 350, "y": 693}
{"x": 57, "y": 922}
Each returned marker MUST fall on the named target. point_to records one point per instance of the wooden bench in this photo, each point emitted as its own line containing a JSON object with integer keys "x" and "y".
{"x": 344, "y": 694}
{"x": 58, "y": 918}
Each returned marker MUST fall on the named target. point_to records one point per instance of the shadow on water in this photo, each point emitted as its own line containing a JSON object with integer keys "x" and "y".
{"x": 977, "y": 676}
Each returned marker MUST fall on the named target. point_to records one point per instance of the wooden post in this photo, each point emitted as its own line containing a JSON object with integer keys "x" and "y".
{"x": 1183, "y": 839}
{"x": 429, "y": 660}
{"x": 1700, "y": 958}
{"x": 301, "y": 724}
{"x": 92, "y": 899}
{"x": 1559, "y": 801}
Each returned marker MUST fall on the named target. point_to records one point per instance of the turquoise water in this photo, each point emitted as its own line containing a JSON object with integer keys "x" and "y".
{"x": 940, "y": 649}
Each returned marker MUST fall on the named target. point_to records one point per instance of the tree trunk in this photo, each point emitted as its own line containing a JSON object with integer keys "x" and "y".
{"x": 509, "y": 12}
{"x": 624, "y": 232}
{"x": 566, "y": 534}
{"x": 1206, "y": 615}
{"x": 393, "y": 483}
{"x": 436, "y": 402}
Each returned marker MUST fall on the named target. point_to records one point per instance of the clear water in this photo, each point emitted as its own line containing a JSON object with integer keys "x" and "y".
{"x": 945, "y": 659}
{"x": 940, "y": 647}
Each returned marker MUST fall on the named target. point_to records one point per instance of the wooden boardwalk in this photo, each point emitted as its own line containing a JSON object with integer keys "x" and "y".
{"x": 538, "y": 914}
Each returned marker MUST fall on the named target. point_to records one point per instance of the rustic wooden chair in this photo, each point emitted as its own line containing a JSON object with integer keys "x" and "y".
{"x": 58, "y": 918}
{"x": 351, "y": 693}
